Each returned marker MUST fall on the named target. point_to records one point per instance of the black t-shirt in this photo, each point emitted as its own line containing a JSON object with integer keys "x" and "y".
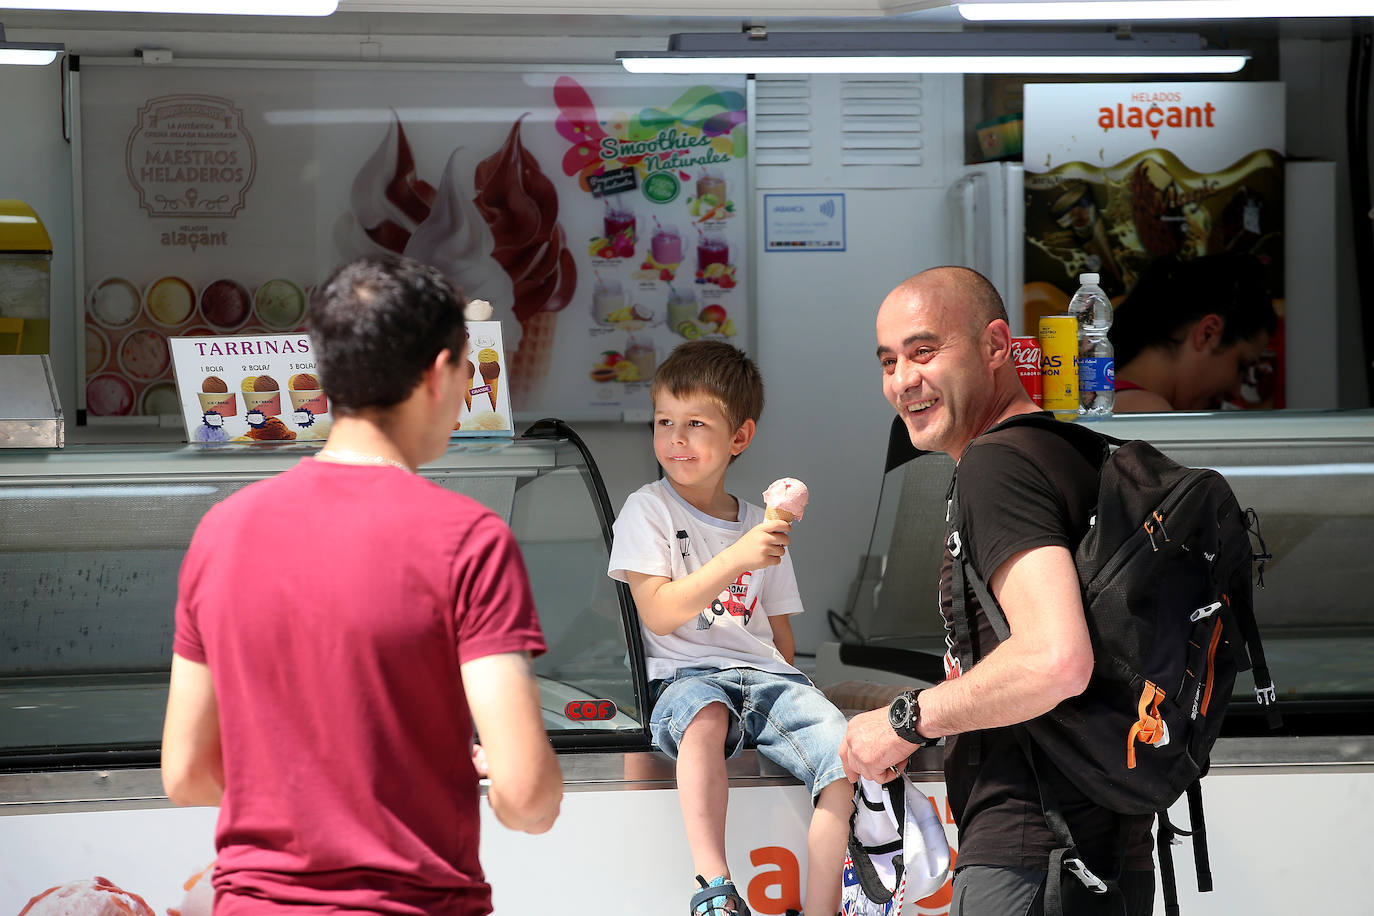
{"x": 1020, "y": 488}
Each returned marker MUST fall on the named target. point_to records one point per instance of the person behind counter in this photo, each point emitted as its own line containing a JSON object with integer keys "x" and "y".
{"x": 944, "y": 348}
{"x": 714, "y": 586}
{"x": 1190, "y": 332}
{"x": 341, "y": 627}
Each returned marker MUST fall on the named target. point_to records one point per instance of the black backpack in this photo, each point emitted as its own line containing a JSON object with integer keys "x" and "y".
{"x": 1166, "y": 569}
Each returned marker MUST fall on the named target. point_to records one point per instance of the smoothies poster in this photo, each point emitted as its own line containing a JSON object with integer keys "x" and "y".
{"x": 1118, "y": 174}
{"x": 601, "y": 216}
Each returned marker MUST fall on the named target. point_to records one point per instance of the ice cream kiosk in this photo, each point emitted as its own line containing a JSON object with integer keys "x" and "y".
{"x": 25, "y": 275}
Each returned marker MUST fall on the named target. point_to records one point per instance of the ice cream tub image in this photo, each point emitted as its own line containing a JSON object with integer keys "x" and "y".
{"x": 159, "y": 400}
{"x": 169, "y": 301}
{"x": 97, "y": 349}
{"x": 224, "y": 403}
{"x": 280, "y": 304}
{"x": 144, "y": 355}
{"x": 215, "y": 397}
{"x": 263, "y": 394}
{"x": 307, "y": 398}
{"x": 114, "y": 303}
{"x": 225, "y": 305}
{"x": 109, "y": 396}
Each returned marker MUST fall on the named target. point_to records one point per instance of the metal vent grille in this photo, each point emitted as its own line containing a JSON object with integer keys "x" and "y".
{"x": 782, "y": 120}
{"x": 880, "y": 121}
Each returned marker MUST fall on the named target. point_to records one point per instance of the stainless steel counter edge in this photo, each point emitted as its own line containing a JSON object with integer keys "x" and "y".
{"x": 102, "y": 790}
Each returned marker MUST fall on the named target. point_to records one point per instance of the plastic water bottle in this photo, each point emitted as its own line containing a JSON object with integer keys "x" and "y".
{"x": 1096, "y": 358}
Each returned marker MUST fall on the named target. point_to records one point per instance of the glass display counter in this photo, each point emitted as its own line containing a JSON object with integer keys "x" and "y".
{"x": 1309, "y": 476}
{"x": 91, "y": 541}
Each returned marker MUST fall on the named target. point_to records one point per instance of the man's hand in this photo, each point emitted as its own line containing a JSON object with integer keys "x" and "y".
{"x": 871, "y": 748}
{"x": 760, "y": 546}
{"x": 479, "y": 761}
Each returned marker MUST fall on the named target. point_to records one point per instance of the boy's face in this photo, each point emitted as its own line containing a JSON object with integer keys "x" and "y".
{"x": 693, "y": 439}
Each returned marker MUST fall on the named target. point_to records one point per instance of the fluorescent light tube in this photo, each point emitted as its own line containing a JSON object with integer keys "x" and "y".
{"x": 220, "y": 7}
{"x": 26, "y": 57}
{"x": 1118, "y": 10}
{"x": 1001, "y": 64}
{"x": 27, "y": 53}
{"x": 933, "y": 52}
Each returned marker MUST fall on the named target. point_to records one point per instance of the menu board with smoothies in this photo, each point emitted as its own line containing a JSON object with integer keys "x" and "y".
{"x": 601, "y": 215}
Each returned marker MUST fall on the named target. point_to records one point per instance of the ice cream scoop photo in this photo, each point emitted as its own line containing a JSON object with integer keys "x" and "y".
{"x": 489, "y": 364}
{"x": 786, "y": 499}
{"x": 478, "y": 310}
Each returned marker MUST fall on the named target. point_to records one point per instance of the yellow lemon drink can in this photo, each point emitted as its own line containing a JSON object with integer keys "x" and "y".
{"x": 1059, "y": 364}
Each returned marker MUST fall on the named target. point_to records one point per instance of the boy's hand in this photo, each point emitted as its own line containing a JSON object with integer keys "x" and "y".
{"x": 761, "y": 546}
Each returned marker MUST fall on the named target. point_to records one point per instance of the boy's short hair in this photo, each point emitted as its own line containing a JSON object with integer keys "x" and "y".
{"x": 717, "y": 370}
{"x": 377, "y": 324}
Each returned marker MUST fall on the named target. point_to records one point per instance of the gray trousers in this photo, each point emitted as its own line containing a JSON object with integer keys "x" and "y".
{"x": 981, "y": 890}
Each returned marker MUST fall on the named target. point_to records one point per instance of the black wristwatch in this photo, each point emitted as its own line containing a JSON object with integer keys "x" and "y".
{"x": 905, "y": 714}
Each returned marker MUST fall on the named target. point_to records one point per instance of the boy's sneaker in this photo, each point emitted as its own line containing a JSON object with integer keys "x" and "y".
{"x": 717, "y": 898}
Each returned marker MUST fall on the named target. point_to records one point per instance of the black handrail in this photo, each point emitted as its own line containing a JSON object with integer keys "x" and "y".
{"x": 553, "y": 428}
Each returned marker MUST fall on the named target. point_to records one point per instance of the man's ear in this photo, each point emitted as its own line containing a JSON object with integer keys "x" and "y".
{"x": 742, "y": 437}
{"x": 433, "y": 378}
{"x": 1206, "y": 334}
{"x": 997, "y": 341}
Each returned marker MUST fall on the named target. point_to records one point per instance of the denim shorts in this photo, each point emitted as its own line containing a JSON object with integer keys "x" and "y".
{"x": 784, "y": 716}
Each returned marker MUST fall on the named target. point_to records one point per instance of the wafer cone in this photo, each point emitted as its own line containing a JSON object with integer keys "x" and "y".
{"x": 773, "y": 513}
{"x": 492, "y": 393}
{"x": 529, "y": 364}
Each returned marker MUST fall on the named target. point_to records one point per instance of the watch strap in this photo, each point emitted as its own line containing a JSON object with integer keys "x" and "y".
{"x": 907, "y": 730}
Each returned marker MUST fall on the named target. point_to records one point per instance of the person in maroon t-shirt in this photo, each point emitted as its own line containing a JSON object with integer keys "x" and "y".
{"x": 342, "y": 627}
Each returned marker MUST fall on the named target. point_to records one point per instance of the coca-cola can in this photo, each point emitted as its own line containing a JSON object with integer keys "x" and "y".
{"x": 1025, "y": 355}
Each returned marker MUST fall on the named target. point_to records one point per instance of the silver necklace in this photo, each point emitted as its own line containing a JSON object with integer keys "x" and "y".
{"x": 347, "y": 456}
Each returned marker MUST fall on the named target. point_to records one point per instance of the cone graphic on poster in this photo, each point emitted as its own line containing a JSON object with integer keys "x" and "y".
{"x": 471, "y": 370}
{"x": 488, "y": 361}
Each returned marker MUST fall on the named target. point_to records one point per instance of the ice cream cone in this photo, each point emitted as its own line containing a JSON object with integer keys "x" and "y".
{"x": 773, "y": 513}
{"x": 492, "y": 393}
{"x": 529, "y": 364}
{"x": 471, "y": 372}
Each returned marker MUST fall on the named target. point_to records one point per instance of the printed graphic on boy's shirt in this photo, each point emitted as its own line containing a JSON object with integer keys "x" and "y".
{"x": 731, "y": 601}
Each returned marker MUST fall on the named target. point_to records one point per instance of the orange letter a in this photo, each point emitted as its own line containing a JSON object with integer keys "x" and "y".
{"x": 785, "y": 877}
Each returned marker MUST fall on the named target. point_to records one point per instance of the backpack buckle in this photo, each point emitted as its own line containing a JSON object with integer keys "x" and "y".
{"x": 1205, "y": 611}
{"x": 1084, "y": 874}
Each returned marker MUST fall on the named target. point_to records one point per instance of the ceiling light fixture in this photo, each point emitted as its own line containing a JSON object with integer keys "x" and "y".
{"x": 1125, "y": 10}
{"x": 30, "y": 53}
{"x": 220, "y": 7}
{"x": 756, "y": 51}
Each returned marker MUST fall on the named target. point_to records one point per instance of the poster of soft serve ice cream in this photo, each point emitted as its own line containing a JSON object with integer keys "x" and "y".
{"x": 602, "y": 216}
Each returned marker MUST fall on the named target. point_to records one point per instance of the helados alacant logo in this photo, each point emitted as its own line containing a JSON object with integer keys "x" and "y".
{"x": 1154, "y": 111}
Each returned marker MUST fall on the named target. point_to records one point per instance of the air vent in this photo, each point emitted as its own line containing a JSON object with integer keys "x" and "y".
{"x": 880, "y": 121}
{"x": 782, "y": 120}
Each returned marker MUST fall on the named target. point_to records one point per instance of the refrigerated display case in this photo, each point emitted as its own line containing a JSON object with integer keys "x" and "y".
{"x": 1309, "y": 476}
{"x": 91, "y": 541}
{"x": 91, "y": 538}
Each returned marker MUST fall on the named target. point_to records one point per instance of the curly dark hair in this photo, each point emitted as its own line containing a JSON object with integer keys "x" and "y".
{"x": 377, "y": 324}
{"x": 1172, "y": 294}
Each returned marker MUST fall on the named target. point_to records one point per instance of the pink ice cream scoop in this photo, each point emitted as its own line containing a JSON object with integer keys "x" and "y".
{"x": 785, "y": 498}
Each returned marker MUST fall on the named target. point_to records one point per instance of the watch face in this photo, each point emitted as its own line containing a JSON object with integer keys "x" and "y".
{"x": 899, "y": 714}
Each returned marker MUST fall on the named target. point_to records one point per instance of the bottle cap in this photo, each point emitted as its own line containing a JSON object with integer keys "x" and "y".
{"x": 1088, "y": 279}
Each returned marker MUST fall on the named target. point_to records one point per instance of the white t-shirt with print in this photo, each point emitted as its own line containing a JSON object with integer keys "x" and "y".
{"x": 658, "y": 533}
